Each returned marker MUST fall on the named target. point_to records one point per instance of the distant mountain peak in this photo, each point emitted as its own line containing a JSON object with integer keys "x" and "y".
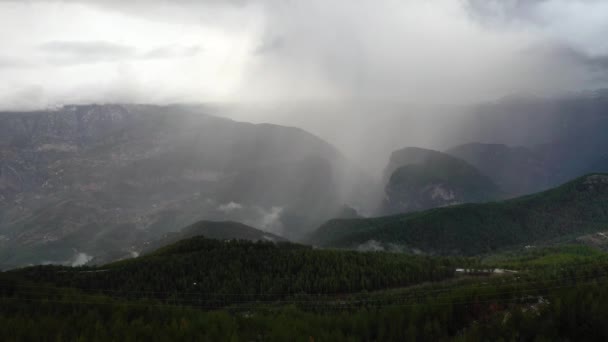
{"x": 419, "y": 179}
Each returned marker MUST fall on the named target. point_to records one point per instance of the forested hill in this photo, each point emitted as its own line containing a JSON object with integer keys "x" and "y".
{"x": 219, "y": 230}
{"x": 215, "y": 271}
{"x": 575, "y": 208}
{"x": 549, "y": 295}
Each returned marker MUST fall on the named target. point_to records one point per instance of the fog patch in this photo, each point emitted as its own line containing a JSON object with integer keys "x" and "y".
{"x": 80, "y": 259}
{"x": 229, "y": 207}
{"x": 268, "y": 219}
{"x": 378, "y": 246}
{"x": 269, "y": 238}
{"x": 371, "y": 246}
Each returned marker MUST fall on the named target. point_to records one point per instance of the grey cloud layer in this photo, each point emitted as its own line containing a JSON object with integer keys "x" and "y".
{"x": 422, "y": 50}
{"x": 504, "y": 11}
{"x": 10, "y": 62}
{"x": 408, "y": 50}
{"x": 83, "y": 52}
{"x": 86, "y": 51}
{"x": 334, "y": 67}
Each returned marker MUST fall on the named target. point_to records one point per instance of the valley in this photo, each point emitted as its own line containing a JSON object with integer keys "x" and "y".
{"x": 315, "y": 171}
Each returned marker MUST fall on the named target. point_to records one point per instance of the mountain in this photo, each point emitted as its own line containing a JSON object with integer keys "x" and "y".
{"x": 516, "y": 170}
{"x": 600, "y": 165}
{"x": 565, "y": 212}
{"x": 523, "y": 170}
{"x": 225, "y": 230}
{"x": 579, "y": 118}
{"x": 80, "y": 180}
{"x": 410, "y": 156}
{"x": 423, "y": 179}
{"x": 219, "y": 230}
{"x": 557, "y": 139}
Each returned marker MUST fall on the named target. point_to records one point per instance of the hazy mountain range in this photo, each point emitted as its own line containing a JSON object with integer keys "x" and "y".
{"x": 89, "y": 181}
{"x": 82, "y": 180}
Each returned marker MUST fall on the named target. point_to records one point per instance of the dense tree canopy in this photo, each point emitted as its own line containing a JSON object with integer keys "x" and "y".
{"x": 557, "y": 293}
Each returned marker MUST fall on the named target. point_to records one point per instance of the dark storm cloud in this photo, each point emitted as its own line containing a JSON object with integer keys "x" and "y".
{"x": 492, "y": 11}
{"x": 571, "y": 32}
{"x": 598, "y": 63}
{"x": 595, "y": 64}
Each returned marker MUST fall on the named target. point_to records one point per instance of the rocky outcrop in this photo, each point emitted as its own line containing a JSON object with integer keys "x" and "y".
{"x": 431, "y": 179}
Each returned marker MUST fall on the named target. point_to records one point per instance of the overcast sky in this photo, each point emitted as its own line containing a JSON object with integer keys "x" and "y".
{"x": 155, "y": 51}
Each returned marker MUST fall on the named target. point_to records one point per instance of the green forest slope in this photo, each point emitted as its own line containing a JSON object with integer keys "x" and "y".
{"x": 572, "y": 209}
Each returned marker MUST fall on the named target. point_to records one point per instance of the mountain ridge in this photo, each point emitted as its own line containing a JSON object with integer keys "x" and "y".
{"x": 575, "y": 207}
{"x": 111, "y": 175}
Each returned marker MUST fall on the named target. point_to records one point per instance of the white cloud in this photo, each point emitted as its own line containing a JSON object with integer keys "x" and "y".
{"x": 79, "y": 53}
{"x": 229, "y": 207}
{"x": 80, "y": 259}
{"x": 270, "y": 220}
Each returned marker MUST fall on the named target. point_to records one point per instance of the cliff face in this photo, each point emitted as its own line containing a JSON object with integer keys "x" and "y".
{"x": 87, "y": 179}
{"x": 33, "y": 144}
